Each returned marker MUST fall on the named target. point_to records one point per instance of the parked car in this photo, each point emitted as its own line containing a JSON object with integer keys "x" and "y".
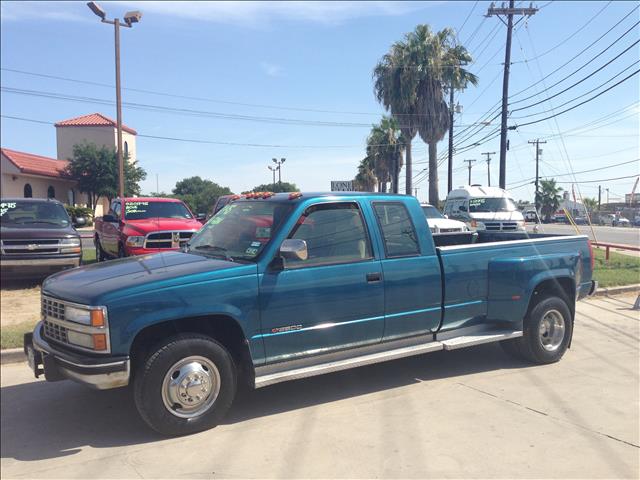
{"x": 438, "y": 223}
{"x": 622, "y": 222}
{"x": 38, "y": 238}
{"x": 285, "y": 286}
{"x": 142, "y": 225}
{"x": 484, "y": 208}
{"x": 560, "y": 217}
{"x": 531, "y": 216}
{"x": 580, "y": 220}
{"x": 607, "y": 219}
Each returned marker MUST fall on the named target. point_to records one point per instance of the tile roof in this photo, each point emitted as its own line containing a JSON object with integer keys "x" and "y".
{"x": 93, "y": 120}
{"x": 35, "y": 164}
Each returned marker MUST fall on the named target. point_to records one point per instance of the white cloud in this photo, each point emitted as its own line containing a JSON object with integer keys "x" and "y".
{"x": 271, "y": 69}
{"x": 253, "y": 14}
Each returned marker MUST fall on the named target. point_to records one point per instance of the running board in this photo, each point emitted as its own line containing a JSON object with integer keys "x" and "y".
{"x": 384, "y": 356}
{"x": 471, "y": 340}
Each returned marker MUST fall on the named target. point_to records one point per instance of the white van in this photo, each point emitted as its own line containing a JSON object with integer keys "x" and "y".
{"x": 484, "y": 208}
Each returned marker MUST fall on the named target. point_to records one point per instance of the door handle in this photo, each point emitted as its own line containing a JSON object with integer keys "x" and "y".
{"x": 374, "y": 277}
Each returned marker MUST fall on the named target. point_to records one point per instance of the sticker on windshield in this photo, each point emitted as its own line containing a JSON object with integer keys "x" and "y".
{"x": 474, "y": 202}
{"x": 136, "y": 207}
{"x": 251, "y": 251}
{"x": 263, "y": 232}
{"x": 6, "y": 206}
{"x": 256, "y": 244}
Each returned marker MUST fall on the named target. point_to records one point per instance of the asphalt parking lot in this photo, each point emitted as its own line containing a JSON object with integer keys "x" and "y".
{"x": 467, "y": 413}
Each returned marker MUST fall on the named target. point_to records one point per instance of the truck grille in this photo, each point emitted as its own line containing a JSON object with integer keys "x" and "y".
{"x": 500, "y": 226}
{"x": 176, "y": 239}
{"x": 55, "y": 332}
{"x": 32, "y": 247}
{"x": 52, "y": 308}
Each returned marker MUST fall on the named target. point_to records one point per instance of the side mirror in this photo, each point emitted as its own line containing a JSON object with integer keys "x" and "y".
{"x": 109, "y": 218}
{"x": 446, "y": 216}
{"x": 462, "y": 208}
{"x": 294, "y": 249}
{"x": 79, "y": 222}
{"x": 201, "y": 217}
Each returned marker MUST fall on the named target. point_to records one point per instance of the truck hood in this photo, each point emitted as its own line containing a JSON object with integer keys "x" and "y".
{"x": 101, "y": 283}
{"x": 497, "y": 216}
{"x": 37, "y": 231}
{"x": 142, "y": 227}
{"x": 446, "y": 223}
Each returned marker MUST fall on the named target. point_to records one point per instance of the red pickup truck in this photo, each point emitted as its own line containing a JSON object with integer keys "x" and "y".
{"x": 141, "y": 225}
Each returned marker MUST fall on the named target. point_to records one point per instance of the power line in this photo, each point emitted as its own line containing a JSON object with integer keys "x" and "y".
{"x": 585, "y": 25}
{"x": 587, "y": 77}
{"x": 579, "y": 104}
{"x": 576, "y": 56}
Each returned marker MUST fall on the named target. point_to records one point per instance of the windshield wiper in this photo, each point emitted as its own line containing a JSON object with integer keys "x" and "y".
{"x": 51, "y": 222}
{"x": 214, "y": 248}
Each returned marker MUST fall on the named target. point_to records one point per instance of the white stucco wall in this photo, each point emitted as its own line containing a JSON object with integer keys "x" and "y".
{"x": 67, "y": 137}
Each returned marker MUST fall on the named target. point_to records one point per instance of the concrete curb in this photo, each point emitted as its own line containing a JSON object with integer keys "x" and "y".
{"x": 12, "y": 355}
{"x": 605, "y": 292}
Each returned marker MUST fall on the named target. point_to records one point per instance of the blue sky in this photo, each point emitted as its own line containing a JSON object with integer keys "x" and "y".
{"x": 312, "y": 62}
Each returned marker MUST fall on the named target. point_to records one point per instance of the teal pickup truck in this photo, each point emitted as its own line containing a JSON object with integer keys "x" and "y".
{"x": 277, "y": 287}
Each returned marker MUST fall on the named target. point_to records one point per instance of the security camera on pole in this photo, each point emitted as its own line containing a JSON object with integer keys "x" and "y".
{"x": 129, "y": 19}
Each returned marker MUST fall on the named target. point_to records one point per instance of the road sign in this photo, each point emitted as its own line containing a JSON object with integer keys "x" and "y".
{"x": 342, "y": 185}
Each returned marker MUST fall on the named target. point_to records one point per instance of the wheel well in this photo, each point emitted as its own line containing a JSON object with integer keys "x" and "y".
{"x": 563, "y": 287}
{"x": 222, "y": 328}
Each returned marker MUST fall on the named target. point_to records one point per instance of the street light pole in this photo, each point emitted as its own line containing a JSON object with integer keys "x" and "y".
{"x": 273, "y": 170}
{"x": 279, "y": 168}
{"x": 129, "y": 19}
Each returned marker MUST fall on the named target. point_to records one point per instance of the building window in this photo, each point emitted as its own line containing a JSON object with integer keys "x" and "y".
{"x": 28, "y": 192}
{"x": 71, "y": 197}
{"x": 126, "y": 150}
{"x": 51, "y": 192}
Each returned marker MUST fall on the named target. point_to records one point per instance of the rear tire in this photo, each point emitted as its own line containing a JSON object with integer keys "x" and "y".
{"x": 548, "y": 329}
{"x": 185, "y": 385}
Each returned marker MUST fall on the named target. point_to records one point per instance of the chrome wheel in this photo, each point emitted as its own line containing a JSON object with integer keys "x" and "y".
{"x": 552, "y": 330}
{"x": 191, "y": 387}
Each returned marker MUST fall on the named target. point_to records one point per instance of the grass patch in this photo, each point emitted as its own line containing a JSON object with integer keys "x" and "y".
{"x": 621, "y": 269}
{"x": 88, "y": 256}
{"x": 11, "y": 336}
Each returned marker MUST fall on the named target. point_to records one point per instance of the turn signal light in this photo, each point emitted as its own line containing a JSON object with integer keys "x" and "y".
{"x": 97, "y": 318}
{"x": 99, "y": 341}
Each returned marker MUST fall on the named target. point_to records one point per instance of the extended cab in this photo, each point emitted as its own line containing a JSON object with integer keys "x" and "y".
{"x": 137, "y": 226}
{"x": 38, "y": 238}
{"x": 280, "y": 287}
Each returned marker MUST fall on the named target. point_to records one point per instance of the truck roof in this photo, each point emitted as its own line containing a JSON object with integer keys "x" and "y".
{"x": 30, "y": 200}
{"x": 478, "y": 191}
{"x": 151, "y": 199}
{"x": 287, "y": 196}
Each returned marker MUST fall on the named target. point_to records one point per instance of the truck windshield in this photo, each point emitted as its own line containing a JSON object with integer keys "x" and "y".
{"x": 431, "y": 212}
{"x": 143, "y": 209}
{"x": 477, "y": 205}
{"x": 241, "y": 230}
{"x": 19, "y": 213}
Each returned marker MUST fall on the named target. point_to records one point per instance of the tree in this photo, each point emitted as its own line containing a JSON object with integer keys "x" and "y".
{"x": 365, "y": 180}
{"x": 591, "y": 204}
{"x": 95, "y": 169}
{"x": 200, "y": 194}
{"x": 277, "y": 188}
{"x": 549, "y": 198}
{"x": 394, "y": 88}
{"x": 385, "y": 147}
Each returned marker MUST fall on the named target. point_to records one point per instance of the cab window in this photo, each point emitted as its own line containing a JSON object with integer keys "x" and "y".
{"x": 398, "y": 232}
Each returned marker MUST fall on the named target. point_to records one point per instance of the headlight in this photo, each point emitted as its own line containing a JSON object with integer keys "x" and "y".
{"x": 135, "y": 241}
{"x": 520, "y": 224}
{"x": 93, "y": 317}
{"x": 477, "y": 225}
{"x": 70, "y": 245}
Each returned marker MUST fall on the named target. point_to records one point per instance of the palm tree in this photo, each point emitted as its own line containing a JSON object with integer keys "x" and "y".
{"x": 365, "y": 180}
{"x": 394, "y": 88}
{"x": 549, "y": 198}
{"x": 385, "y": 146}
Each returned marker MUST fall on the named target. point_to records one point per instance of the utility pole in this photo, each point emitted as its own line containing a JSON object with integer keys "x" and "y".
{"x": 470, "y": 162}
{"x": 415, "y": 191}
{"x": 488, "y": 154}
{"x": 607, "y": 196}
{"x": 599, "y": 196}
{"x": 509, "y": 13}
{"x": 129, "y": 19}
{"x": 157, "y": 187}
{"x": 273, "y": 169}
{"x": 450, "y": 170}
{"x": 537, "y": 143}
{"x": 279, "y": 164}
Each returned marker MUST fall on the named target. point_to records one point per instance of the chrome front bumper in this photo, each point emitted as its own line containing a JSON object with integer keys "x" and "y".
{"x": 55, "y": 364}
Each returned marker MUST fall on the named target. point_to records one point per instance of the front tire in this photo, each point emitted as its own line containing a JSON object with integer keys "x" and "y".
{"x": 186, "y": 385}
{"x": 548, "y": 329}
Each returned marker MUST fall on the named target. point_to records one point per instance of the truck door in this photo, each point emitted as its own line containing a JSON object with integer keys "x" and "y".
{"x": 411, "y": 270}
{"x": 334, "y": 299}
{"x": 111, "y": 230}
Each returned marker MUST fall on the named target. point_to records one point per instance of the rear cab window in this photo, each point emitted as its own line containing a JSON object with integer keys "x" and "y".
{"x": 398, "y": 232}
